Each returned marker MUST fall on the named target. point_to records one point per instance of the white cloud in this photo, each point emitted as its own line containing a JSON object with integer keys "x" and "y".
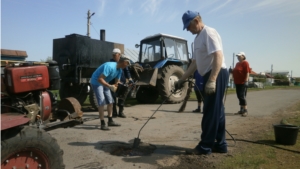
{"x": 220, "y": 6}
{"x": 101, "y": 8}
{"x": 126, "y": 7}
{"x": 274, "y": 7}
{"x": 150, "y": 6}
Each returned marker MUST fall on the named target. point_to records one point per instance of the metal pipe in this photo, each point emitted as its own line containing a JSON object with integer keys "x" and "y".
{"x": 102, "y": 34}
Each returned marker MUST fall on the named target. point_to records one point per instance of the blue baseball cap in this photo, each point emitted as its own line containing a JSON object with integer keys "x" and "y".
{"x": 187, "y": 17}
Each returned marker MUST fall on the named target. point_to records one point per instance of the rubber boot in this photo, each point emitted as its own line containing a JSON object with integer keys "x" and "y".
{"x": 121, "y": 114}
{"x": 115, "y": 112}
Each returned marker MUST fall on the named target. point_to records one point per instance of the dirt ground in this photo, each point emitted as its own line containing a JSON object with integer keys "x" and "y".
{"x": 169, "y": 134}
{"x": 251, "y": 130}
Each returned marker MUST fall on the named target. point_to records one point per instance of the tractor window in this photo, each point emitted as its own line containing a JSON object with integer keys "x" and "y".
{"x": 169, "y": 47}
{"x": 176, "y": 49}
{"x": 182, "y": 50}
{"x": 150, "y": 51}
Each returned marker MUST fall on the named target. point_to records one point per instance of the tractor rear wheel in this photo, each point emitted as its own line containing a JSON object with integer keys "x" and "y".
{"x": 147, "y": 95}
{"x": 169, "y": 75}
{"x": 80, "y": 92}
{"x": 31, "y": 148}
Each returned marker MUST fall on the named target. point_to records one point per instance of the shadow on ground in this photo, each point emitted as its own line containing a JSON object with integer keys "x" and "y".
{"x": 146, "y": 153}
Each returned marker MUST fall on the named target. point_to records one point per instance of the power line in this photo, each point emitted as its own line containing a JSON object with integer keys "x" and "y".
{"x": 95, "y": 29}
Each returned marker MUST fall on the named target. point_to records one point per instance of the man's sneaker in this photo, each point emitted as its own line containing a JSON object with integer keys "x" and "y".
{"x": 216, "y": 149}
{"x": 104, "y": 127}
{"x": 112, "y": 123}
{"x": 239, "y": 113}
{"x": 195, "y": 152}
{"x": 197, "y": 111}
{"x": 245, "y": 113}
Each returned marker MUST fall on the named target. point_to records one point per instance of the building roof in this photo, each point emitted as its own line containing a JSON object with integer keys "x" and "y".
{"x": 132, "y": 54}
{"x": 17, "y": 55}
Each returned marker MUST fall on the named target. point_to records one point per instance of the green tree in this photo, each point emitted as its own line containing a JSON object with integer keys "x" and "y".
{"x": 259, "y": 78}
{"x": 49, "y": 58}
{"x": 281, "y": 78}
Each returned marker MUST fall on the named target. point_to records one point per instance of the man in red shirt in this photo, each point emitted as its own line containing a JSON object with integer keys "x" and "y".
{"x": 241, "y": 76}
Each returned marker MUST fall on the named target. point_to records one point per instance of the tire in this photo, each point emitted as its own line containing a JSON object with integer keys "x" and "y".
{"x": 77, "y": 91}
{"x": 147, "y": 95}
{"x": 93, "y": 100}
{"x": 169, "y": 75}
{"x": 33, "y": 147}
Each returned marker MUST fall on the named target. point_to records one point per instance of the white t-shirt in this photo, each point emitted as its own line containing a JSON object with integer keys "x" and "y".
{"x": 207, "y": 42}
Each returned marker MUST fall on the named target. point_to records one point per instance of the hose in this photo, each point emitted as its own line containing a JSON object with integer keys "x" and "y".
{"x": 154, "y": 113}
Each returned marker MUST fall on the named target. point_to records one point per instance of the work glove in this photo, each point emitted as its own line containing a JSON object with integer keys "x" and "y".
{"x": 246, "y": 84}
{"x": 178, "y": 84}
{"x": 113, "y": 88}
{"x": 210, "y": 87}
{"x": 130, "y": 81}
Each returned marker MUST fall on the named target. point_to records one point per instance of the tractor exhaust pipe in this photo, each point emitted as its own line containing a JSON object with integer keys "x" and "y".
{"x": 102, "y": 34}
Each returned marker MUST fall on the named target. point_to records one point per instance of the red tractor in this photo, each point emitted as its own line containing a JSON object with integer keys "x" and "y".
{"x": 28, "y": 110}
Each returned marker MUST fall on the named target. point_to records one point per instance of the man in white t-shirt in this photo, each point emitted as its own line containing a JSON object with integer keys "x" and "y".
{"x": 209, "y": 61}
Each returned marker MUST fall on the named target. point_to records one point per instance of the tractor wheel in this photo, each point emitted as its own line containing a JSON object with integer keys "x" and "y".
{"x": 80, "y": 92}
{"x": 31, "y": 148}
{"x": 93, "y": 100}
{"x": 169, "y": 75}
{"x": 147, "y": 95}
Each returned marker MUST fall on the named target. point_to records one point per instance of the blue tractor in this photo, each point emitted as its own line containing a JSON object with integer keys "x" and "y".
{"x": 164, "y": 59}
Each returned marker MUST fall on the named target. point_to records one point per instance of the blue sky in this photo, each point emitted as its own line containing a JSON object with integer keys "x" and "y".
{"x": 268, "y": 31}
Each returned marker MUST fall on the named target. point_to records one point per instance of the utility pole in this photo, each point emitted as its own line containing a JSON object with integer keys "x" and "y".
{"x": 88, "y": 22}
{"x": 272, "y": 79}
{"x": 233, "y": 61}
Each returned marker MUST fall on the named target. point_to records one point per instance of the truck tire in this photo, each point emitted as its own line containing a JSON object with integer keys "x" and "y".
{"x": 169, "y": 75}
{"x": 77, "y": 91}
{"x": 33, "y": 147}
{"x": 147, "y": 95}
{"x": 93, "y": 100}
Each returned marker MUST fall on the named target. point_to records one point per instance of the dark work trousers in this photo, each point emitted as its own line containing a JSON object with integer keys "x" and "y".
{"x": 120, "y": 103}
{"x": 213, "y": 120}
{"x": 241, "y": 93}
{"x": 199, "y": 95}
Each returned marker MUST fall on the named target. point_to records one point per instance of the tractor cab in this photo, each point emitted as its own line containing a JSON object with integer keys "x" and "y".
{"x": 157, "y": 50}
{"x": 164, "y": 59}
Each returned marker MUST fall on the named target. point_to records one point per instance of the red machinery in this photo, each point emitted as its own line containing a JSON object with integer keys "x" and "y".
{"x": 28, "y": 109}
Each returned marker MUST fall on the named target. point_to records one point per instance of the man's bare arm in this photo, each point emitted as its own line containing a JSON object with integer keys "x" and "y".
{"x": 216, "y": 65}
{"x": 102, "y": 81}
{"x": 192, "y": 68}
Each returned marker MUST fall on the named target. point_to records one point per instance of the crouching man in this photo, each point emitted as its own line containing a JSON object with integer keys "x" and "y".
{"x": 99, "y": 82}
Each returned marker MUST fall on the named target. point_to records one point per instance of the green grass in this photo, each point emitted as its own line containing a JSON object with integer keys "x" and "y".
{"x": 252, "y": 156}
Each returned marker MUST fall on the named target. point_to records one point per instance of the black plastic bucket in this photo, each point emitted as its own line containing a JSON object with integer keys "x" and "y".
{"x": 286, "y": 134}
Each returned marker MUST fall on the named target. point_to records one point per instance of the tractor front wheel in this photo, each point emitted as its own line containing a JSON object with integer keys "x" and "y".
{"x": 31, "y": 148}
{"x": 169, "y": 75}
